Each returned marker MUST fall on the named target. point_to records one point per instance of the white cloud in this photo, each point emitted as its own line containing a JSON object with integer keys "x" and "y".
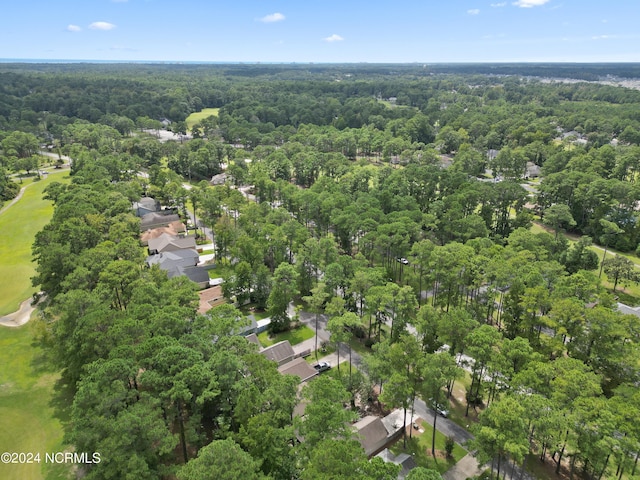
{"x": 73, "y": 28}
{"x": 497, "y": 5}
{"x": 333, "y": 38}
{"x": 272, "y": 17}
{"x": 474, "y": 11}
{"x": 600, "y": 37}
{"x": 102, "y": 26}
{"x": 530, "y": 3}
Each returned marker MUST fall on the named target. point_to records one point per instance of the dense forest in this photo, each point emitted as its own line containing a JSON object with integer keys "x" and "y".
{"x": 407, "y": 203}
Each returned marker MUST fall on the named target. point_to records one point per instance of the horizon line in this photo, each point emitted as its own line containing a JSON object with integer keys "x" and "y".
{"x": 258, "y": 62}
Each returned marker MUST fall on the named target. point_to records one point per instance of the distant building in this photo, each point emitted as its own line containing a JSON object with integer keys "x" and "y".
{"x": 219, "y": 179}
{"x": 492, "y": 153}
{"x": 533, "y": 170}
{"x": 627, "y": 310}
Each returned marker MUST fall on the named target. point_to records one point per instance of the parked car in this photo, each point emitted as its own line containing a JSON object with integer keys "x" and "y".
{"x": 403, "y": 260}
{"x": 439, "y": 408}
{"x": 322, "y": 366}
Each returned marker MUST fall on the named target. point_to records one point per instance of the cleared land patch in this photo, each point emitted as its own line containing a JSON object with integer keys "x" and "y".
{"x": 195, "y": 117}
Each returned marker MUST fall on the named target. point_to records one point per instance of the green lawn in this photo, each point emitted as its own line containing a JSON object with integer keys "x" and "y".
{"x": 202, "y": 114}
{"x": 628, "y": 293}
{"x": 420, "y": 447}
{"x": 28, "y": 420}
{"x": 18, "y": 227}
{"x": 295, "y": 336}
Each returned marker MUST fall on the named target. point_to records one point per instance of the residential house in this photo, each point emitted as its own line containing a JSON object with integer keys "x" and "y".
{"x": 146, "y": 205}
{"x": 209, "y": 298}
{"x": 300, "y": 368}
{"x": 219, "y": 179}
{"x": 170, "y": 243}
{"x": 157, "y": 219}
{"x": 375, "y": 433}
{"x": 179, "y": 258}
{"x": 253, "y": 338}
{"x": 406, "y": 461}
{"x": 281, "y": 352}
{"x": 174, "y": 228}
{"x": 533, "y": 170}
{"x": 197, "y": 275}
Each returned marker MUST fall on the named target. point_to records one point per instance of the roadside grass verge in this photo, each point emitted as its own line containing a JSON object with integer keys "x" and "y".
{"x": 18, "y": 227}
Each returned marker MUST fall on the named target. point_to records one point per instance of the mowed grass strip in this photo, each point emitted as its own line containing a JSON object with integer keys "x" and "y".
{"x": 18, "y": 227}
{"x": 195, "y": 117}
{"x": 295, "y": 336}
{"x": 26, "y": 412}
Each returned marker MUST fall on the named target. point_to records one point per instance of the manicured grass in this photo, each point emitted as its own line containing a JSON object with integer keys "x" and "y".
{"x": 28, "y": 420}
{"x": 18, "y": 227}
{"x": 328, "y": 350}
{"x": 628, "y": 293}
{"x": 419, "y": 446}
{"x": 222, "y": 270}
{"x": 202, "y": 114}
{"x": 295, "y": 336}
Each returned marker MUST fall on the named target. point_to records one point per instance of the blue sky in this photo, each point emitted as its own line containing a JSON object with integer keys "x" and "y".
{"x": 396, "y": 31}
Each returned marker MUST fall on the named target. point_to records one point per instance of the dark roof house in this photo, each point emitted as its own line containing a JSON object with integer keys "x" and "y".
{"x": 281, "y": 352}
{"x": 298, "y": 367}
{"x": 376, "y": 433}
{"x": 157, "y": 219}
{"x": 372, "y": 434}
{"x": 406, "y": 461}
{"x": 145, "y": 205}
{"x": 178, "y": 258}
{"x": 197, "y": 275}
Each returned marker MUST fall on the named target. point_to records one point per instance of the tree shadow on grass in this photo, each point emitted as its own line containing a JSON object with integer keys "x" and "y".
{"x": 62, "y": 401}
